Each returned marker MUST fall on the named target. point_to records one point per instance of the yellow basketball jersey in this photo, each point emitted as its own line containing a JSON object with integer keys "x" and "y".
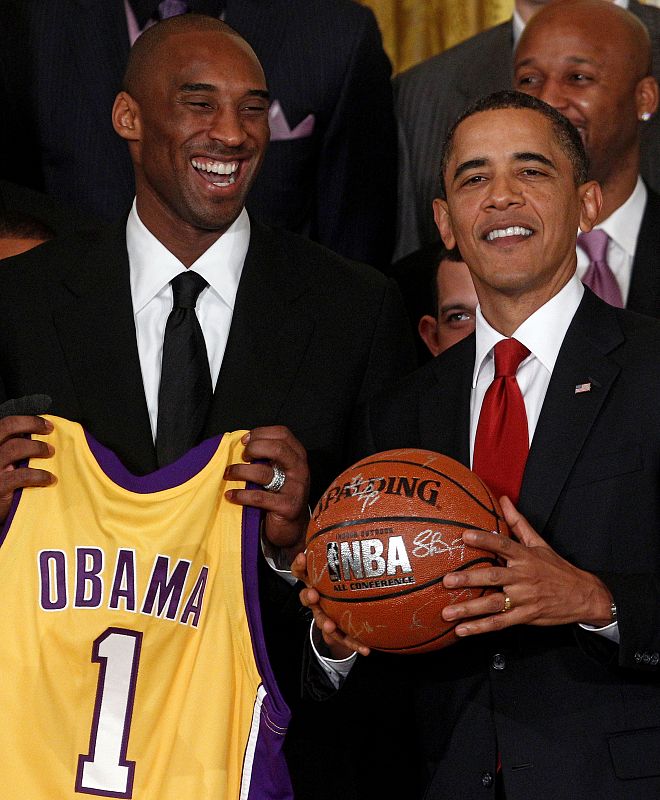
{"x": 132, "y": 661}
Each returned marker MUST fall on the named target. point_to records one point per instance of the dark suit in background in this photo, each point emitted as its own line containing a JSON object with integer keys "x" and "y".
{"x": 61, "y": 65}
{"x": 644, "y": 292}
{"x": 571, "y": 713}
{"x": 431, "y": 95}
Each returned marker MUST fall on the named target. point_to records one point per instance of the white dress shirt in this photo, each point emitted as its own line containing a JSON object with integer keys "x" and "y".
{"x": 622, "y": 226}
{"x": 152, "y": 267}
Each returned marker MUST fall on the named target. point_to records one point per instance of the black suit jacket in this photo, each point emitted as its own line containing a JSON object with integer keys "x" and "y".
{"x": 311, "y": 335}
{"x": 431, "y": 95}
{"x": 571, "y": 714}
{"x": 644, "y": 293}
{"x": 61, "y": 65}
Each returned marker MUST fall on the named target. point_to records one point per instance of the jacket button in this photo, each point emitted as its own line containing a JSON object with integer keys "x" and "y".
{"x": 637, "y": 657}
{"x": 655, "y": 658}
{"x": 498, "y": 661}
{"x": 487, "y": 780}
{"x": 646, "y": 658}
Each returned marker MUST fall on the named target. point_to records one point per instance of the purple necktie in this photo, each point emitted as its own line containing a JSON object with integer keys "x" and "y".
{"x": 599, "y": 277}
{"x": 171, "y": 8}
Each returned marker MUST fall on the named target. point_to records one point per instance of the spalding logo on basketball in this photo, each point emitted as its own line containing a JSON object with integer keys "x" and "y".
{"x": 384, "y": 535}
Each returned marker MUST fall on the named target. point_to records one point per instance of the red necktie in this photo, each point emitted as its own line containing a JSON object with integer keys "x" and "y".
{"x": 502, "y": 441}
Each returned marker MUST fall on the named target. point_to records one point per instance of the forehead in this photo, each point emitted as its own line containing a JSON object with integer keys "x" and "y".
{"x": 209, "y": 57}
{"x": 500, "y": 134}
{"x": 570, "y": 38}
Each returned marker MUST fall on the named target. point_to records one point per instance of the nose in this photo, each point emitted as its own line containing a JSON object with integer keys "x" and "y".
{"x": 504, "y": 192}
{"x": 227, "y": 127}
{"x": 552, "y": 93}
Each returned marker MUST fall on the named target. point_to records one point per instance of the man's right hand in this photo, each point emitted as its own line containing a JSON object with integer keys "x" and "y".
{"x": 340, "y": 645}
{"x": 15, "y": 447}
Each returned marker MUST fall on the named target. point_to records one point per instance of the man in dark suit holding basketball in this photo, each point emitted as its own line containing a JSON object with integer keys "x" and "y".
{"x": 553, "y": 691}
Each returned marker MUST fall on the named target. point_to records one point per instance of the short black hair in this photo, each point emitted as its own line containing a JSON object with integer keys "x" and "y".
{"x": 455, "y": 257}
{"x": 565, "y": 132}
{"x": 17, "y": 225}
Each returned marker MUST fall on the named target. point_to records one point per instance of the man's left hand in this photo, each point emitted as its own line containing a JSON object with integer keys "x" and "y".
{"x": 542, "y": 587}
{"x": 286, "y": 509}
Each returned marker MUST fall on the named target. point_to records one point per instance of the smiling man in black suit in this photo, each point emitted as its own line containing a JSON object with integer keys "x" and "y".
{"x": 295, "y": 336}
{"x": 552, "y": 690}
{"x": 330, "y": 172}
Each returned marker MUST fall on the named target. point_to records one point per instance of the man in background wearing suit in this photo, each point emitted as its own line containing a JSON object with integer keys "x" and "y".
{"x": 555, "y": 676}
{"x": 330, "y": 173}
{"x": 295, "y": 335}
{"x": 431, "y": 95}
{"x": 591, "y": 61}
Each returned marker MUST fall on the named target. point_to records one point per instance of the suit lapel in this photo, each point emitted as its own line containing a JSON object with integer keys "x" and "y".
{"x": 566, "y": 417}
{"x": 444, "y": 416}
{"x": 269, "y": 335}
{"x": 93, "y": 317}
{"x": 644, "y": 294}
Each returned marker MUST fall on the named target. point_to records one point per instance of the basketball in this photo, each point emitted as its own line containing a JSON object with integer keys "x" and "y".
{"x": 382, "y": 538}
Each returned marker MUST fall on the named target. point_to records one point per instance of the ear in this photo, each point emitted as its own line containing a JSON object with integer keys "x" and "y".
{"x": 591, "y": 201}
{"x": 443, "y": 222}
{"x": 126, "y": 117}
{"x": 646, "y": 97}
{"x": 428, "y": 330}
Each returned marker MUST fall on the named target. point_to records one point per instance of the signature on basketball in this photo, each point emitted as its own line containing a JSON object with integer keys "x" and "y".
{"x": 431, "y": 543}
{"x": 363, "y": 489}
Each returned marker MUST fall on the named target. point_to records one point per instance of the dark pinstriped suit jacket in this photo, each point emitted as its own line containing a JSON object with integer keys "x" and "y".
{"x": 61, "y": 64}
{"x": 431, "y": 95}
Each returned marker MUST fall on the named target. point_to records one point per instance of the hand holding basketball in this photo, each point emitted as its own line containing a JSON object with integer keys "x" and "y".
{"x": 543, "y": 588}
{"x": 382, "y": 538}
{"x": 340, "y": 645}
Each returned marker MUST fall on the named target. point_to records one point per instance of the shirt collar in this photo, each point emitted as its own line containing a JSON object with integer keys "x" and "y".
{"x": 623, "y": 224}
{"x": 542, "y": 333}
{"x": 152, "y": 266}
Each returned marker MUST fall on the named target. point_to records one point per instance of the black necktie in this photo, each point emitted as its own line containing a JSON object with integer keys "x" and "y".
{"x": 185, "y": 390}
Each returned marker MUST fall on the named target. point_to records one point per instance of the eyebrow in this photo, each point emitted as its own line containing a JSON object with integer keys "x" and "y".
{"x": 530, "y": 60}
{"x": 209, "y": 87}
{"x": 475, "y": 163}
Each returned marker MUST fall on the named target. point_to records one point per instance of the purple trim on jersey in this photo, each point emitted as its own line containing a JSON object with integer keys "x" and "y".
{"x": 12, "y": 512}
{"x": 270, "y": 776}
{"x": 167, "y": 477}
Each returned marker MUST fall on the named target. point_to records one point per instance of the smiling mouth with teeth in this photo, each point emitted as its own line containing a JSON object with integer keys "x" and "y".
{"x": 514, "y": 230}
{"x": 211, "y": 170}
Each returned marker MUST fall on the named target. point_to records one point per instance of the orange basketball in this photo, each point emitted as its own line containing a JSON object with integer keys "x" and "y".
{"x": 384, "y": 535}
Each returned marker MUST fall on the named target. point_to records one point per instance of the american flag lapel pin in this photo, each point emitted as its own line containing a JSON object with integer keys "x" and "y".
{"x": 581, "y": 388}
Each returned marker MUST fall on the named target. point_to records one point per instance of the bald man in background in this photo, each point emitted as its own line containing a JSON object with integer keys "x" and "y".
{"x": 431, "y": 95}
{"x": 591, "y": 61}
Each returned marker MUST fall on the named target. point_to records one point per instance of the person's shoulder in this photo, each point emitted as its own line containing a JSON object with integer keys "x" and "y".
{"x": 46, "y": 264}
{"x": 452, "y": 364}
{"x": 649, "y": 15}
{"x": 315, "y": 264}
{"x": 482, "y": 46}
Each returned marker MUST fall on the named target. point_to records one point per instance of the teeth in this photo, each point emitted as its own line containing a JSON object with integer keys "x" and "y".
{"x": 514, "y": 230}
{"x": 228, "y": 182}
{"x": 217, "y": 167}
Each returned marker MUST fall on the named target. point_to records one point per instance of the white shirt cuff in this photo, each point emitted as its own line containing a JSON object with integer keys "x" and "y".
{"x": 610, "y": 631}
{"x": 336, "y": 669}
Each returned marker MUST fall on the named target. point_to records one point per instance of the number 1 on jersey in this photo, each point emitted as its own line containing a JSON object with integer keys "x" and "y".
{"x": 104, "y": 770}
